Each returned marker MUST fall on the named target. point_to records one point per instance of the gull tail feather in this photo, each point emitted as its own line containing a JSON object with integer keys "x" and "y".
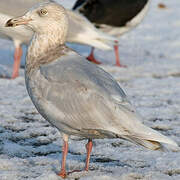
{"x": 152, "y": 139}
{"x": 132, "y": 129}
{"x": 137, "y": 132}
{"x": 84, "y": 32}
{"x": 151, "y": 136}
{"x": 152, "y": 145}
{"x": 97, "y": 39}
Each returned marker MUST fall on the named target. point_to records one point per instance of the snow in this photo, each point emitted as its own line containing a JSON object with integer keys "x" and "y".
{"x": 31, "y": 149}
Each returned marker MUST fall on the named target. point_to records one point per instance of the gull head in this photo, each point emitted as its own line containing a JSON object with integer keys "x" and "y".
{"x": 44, "y": 18}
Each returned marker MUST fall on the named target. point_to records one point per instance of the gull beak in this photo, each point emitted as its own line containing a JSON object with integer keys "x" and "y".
{"x": 17, "y": 21}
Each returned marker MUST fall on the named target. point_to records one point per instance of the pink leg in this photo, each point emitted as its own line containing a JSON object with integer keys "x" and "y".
{"x": 92, "y": 58}
{"x": 62, "y": 173}
{"x": 17, "y": 61}
{"x": 88, "y": 149}
{"x": 89, "y": 146}
{"x": 117, "y": 57}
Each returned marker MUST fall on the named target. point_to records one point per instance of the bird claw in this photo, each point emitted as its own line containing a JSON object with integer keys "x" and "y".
{"x": 62, "y": 173}
{"x": 14, "y": 76}
{"x": 92, "y": 59}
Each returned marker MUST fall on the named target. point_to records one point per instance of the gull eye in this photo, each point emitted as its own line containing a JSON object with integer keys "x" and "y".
{"x": 43, "y": 12}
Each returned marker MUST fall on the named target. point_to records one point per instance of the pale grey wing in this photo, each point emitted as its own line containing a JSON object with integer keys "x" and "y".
{"x": 84, "y": 94}
{"x": 80, "y": 98}
{"x": 73, "y": 67}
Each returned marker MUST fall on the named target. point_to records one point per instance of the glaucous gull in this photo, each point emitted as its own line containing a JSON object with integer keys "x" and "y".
{"x": 76, "y": 96}
{"x": 114, "y": 17}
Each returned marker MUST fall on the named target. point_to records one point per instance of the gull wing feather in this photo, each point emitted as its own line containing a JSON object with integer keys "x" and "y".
{"x": 87, "y": 101}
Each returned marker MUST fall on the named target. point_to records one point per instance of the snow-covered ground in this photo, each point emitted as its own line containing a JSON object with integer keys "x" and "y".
{"x": 31, "y": 149}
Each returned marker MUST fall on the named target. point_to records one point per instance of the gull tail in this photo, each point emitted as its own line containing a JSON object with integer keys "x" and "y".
{"x": 82, "y": 31}
{"x": 101, "y": 40}
{"x": 151, "y": 139}
{"x": 134, "y": 130}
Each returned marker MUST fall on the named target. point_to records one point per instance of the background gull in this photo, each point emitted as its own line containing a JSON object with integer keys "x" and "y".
{"x": 19, "y": 35}
{"x": 114, "y": 17}
{"x": 82, "y": 31}
{"x": 74, "y": 95}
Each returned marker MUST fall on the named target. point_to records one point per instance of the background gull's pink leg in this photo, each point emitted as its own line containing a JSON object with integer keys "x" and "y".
{"x": 17, "y": 61}
{"x": 92, "y": 58}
